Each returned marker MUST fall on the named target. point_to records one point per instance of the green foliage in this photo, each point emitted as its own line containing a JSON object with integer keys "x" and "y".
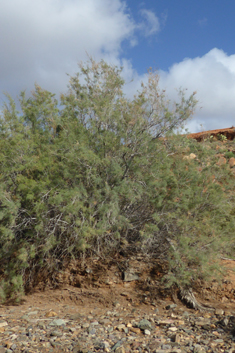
{"x": 96, "y": 170}
{"x": 229, "y": 154}
{"x": 222, "y": 137}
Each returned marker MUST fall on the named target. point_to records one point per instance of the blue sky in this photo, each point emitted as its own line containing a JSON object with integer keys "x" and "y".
{"x": 191, "y": 43}
{"x": 187, "y": 29}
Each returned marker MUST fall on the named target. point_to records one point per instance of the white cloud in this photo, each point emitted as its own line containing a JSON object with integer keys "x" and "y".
{"x": 151, "y": 24}
{"x": 213, "y": 77}
{"x": 41, "y": 40}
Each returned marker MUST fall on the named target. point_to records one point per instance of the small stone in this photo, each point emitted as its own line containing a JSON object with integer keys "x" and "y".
{"x": 13, "y": 347}
{"x": 120, "y": 350}
{"x": 171, "y": 306}
{"x": 147, "y": 332}
{"x": 13, "y": 337}
{"x": 32, "y": 313}
{"x": 219, "y": 340}
{"x": 165, "y": 322}
{"x": 225, "y": 321}
{"x": 121, "y": 327}
{"x": 56, "y": 333}
{"x": 199, "y": 349}
{"x": 202, "y": 322}
{"x": 176, "y": 338}
{"x": 51, "y": 314}
{"x": 166, "y": 346}
{"x": 3, "y": 323}
{"x": 186, "y": 313}
{"x": 224, "y": 300}
{"x": 117, "y": 345}
{"x": 91, "y": 331}
{"x": 75, "y": 317}
{"x": 58, "y": 322}
{"x": 154, "y": 346}
{"x": 145, "y": 325}
{"x": 104, "y": 322}
{"x": 192, "y": 156}
{"x": 25, "y": 317}
{"x": 124, "y": 294}
{"x": 219, "y": 312}
{"x": 129, "y": 276}
{"x": 206, "y": 315}
{"x": 77, "y": 348}
{"x": 105, "y": 345}
{"x": 216, "y": 333}
{"x": 135, "y": 330}
{"x": 7, "y": 344}
{"x": 172, "y": 329}
{"x": 86, "y": 325}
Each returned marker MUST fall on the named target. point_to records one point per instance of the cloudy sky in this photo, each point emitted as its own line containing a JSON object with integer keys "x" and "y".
{"x": 191, "y": 43}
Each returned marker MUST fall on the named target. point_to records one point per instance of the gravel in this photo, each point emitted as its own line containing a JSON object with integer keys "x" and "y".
{"x": 120, "y": 330}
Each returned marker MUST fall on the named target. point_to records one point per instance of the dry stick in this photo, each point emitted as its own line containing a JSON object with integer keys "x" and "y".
{"x": 226, "y": 258}
{"x": 186, "y": 295}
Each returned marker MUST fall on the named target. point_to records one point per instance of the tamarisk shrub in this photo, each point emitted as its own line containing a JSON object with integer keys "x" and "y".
{"x": 95, "y": 171}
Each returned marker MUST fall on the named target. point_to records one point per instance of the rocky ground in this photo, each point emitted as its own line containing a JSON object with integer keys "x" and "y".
{"x": 117, "y": 315}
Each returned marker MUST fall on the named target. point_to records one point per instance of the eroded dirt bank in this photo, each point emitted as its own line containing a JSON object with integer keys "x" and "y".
{"x": 118, "y": 307}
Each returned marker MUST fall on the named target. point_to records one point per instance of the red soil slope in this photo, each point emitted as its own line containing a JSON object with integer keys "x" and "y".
{"x": 228, "y": 132}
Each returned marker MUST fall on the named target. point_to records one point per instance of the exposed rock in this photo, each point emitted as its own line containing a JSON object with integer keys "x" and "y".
{"x": 190, "y": 157}
{"x": 232, "y": 162}
{"x": 130, "y": 275}
{"x": 221, "y": 161}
